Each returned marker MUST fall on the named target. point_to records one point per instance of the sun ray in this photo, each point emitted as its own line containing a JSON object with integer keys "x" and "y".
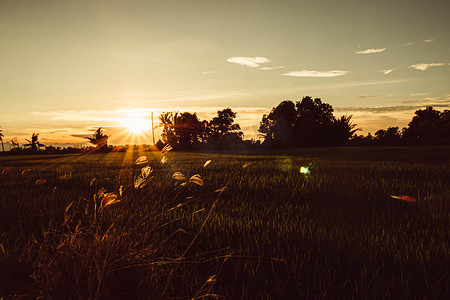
{"x": 136, "y": 125}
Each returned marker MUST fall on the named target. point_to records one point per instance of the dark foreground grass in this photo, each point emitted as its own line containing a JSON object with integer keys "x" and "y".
{"x": 274, "y": 233}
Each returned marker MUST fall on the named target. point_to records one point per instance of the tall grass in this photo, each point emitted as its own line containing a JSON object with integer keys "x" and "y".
{"x": 334, "y": 233}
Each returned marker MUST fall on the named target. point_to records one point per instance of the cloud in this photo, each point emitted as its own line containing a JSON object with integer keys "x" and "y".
{"x": 307, "y": 73}
{"x": 384, "y": 109}
{"x": 83, "y": 136}
{"x": 433, "y": 101}
{"x": 247, "y": 117}
{"x": 417, "y": 94}
{"x": 272, "y": 68}
{"x": 386, "y": 72}
{"x": 252, "y": 62}
{"x": 424, "y": 41}
{"x": 58, "y": 131}
{"x": 408, "y": 44}
{"x": 371, "y": 51}
{"x": 424, "y": 67}
{"x": 208, "y": 72}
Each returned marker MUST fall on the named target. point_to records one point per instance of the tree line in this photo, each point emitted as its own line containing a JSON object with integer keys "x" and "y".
{"x": 304, "y": 123}
{"x": 184, "y": 131}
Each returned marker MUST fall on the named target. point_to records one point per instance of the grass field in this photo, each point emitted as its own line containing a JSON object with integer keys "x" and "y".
{"x": 273, "y": 233}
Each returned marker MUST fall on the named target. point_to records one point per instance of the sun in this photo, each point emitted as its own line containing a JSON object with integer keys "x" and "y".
{"x": 136, "y": 125}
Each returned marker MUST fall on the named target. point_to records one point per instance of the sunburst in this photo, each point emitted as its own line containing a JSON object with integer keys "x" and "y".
{"x": 136, "y": 125}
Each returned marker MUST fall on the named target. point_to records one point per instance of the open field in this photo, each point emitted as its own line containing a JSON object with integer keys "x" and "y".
{"x": 273, "y": 233}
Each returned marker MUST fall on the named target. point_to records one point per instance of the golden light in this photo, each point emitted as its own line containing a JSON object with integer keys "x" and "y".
{"x": 136, "y": 125}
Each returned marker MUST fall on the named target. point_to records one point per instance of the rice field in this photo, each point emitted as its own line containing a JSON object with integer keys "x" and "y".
{"x": 309, "y": 223}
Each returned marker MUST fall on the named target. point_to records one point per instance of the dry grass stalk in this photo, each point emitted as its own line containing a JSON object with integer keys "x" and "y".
{"x": 197, "y": 179}
{"x": 6, "y": 171}
{"x": 178, "y": 176}
{"x": 141, "y": 160}
{"x": 26, "y": 172}
{"x": 166, "y": 149}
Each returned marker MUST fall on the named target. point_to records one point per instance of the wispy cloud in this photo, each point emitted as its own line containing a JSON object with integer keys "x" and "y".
{"x": 383, "y": 109}
{"x": 208, "y": 72}
{"x": 371, "y": 51}
{"x": 308, "y": 73}
{"x": 417, "y": 94}
{"x": 408, "y": 44}
{"x": 252, "y": 62}
{"x": 424, "y": 67}
{"x": 272, "y": 68}
{"x": 424, "y": 41}
{"x": 79, "y": 135}
{"x": 386, "y": 72}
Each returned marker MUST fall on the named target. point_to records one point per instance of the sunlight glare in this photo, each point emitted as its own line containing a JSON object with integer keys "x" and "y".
{"x": 136, "y": 125}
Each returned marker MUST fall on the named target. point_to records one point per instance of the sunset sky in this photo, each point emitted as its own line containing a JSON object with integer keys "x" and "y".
{"x": 68, "y": 67}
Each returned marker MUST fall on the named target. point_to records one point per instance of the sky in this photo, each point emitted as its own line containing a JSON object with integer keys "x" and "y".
{"x": 69, "y": 67}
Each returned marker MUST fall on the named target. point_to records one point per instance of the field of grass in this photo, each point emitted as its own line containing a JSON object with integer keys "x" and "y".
{"x": 273, "y": 233}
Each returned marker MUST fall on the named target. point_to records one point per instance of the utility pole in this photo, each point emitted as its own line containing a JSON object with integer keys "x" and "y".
{"x": 153, "y": 131}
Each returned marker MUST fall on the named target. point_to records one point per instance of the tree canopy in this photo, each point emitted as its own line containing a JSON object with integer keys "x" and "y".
{"x": 429, "y": 125}
{"x": 184, "y": 131}
{"x": 308, "y": 122}
{"x": 34, "y": 144}
{"x": 100, "y": 139}
{"x": 222, "y": 131}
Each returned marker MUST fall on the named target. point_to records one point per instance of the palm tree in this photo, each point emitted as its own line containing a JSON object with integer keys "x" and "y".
{"x": 34, "y": 143}
{"x": 344, "y": 128}
{"x": 1, "y": 139}
{"x": 15, "y": 143}
{"x": 99, "y": 138}
{"x": 167, "y": 122}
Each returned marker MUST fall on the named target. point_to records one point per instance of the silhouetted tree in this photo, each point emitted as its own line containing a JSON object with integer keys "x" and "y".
{"x": 222, "y": 131}
{"x": 15, "y": 143}
{"x": 167, "y": 120}
{"x": 277, "y": 128}
{"x": 423, "y": 125}
{"x": 189, "y": 130}
{"x": 306, "y": 123}
{"x": 314, "y": 122}
{"x": 183, "y": 131}
{"x": 34, "y": 144}
{"x": 442, "y": 126}
{"x": 100, "y": 139}
{"x": 390, "y": 136}
{"x": 1, "y": 139}
{"x": 343, "y": 129}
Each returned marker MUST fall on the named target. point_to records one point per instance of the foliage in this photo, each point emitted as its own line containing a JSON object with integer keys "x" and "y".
{"x": 184, "y": 131}
{"x": 222, "y": 131}
{"x": 34, "y": 144}
{"x": 427, "y": 125}
{"x": 100, "y": 139}
{"x": 306, "y": 123}
{"x": 15, "y": 143}
{"x": 390, "y": 136}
